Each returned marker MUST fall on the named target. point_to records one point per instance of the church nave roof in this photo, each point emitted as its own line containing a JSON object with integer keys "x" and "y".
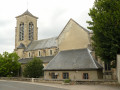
{"x": 42, "y": 44}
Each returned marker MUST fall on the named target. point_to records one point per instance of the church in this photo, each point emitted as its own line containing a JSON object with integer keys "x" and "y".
{"x": 66, "y": 56}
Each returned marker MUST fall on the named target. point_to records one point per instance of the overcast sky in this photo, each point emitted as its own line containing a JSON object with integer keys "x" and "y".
{"x": 53, "y": 16}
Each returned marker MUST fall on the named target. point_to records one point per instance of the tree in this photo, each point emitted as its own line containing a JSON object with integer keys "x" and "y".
{"x": 105, "y": 24}
{"x": 9, "y": 65}
{"x": 34, "y": 68}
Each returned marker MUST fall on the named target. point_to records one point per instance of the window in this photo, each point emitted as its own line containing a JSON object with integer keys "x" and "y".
{"x": 31, "y": 29}
{"x": 107, "y": 66}
{"x": 29, "y": 54}
{"x": 85, "y": 76}
{"x": 54, "y": 75}
{"x": 39, "y": 53}
{"x": 66, "y": 75}
{"x": 21, "y": 32}
{"x": 50, "y": 52}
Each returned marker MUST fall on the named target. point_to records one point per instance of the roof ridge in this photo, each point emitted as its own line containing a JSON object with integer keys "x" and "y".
{"x": 92, "y": 58}
{"x": 80, "y": 26}
{"x": 74, "y": 49}
{"x": 45, "y": 39}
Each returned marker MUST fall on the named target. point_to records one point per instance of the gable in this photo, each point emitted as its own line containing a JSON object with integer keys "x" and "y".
{"x": 70, "y": 22}
{"x": 73, "y": 36}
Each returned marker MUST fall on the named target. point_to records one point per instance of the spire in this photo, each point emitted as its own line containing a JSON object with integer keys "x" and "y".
{"x": 27, "y": 13}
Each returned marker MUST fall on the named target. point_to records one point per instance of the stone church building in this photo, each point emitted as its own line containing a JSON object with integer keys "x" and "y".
{"x": 66, "y": 56}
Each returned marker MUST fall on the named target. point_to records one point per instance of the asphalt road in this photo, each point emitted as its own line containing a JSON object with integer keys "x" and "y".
{"x": 9, "y": 85}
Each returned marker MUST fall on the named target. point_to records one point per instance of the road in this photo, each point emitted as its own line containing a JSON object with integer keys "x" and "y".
{"x": 9, "y": 85}
{"x": 19, "y": 85}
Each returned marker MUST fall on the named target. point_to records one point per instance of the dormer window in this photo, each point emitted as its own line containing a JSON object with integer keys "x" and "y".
{"x": 21, "y": 33}
{"x": 31, "y": 31}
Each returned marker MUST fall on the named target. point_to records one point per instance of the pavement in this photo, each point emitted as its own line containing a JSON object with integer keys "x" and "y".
{"x": 81, "y": 87}
{"x": 15, "y": 85}
{"x": 73, "y": 87}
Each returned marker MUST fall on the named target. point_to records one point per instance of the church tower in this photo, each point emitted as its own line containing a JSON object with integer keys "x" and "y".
{"x": 26, "y": 29}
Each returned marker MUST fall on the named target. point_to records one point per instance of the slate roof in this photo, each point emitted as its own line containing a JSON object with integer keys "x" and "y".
{"x": 79, "y": 59}
{"x": 42, "y": 44}
{"x": 21, "y": 46}
{"x": 45, "y": 59}
{"x": 27, "y": 13}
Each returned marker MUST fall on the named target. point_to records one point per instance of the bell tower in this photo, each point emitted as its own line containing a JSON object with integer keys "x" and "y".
{"x": 26, "y": 30}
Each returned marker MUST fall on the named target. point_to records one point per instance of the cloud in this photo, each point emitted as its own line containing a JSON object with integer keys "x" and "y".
{"x": 8, "y": 48}
{"x": 4, "y": 23}
{"x": 53, "y": 16}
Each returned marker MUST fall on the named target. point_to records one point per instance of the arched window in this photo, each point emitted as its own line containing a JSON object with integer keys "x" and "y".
{"x": 29, "y": 54}
{"x": 50, "y": 52}
{"x": 39, "y": 53}
{"x": 21, "y": 33}
{"x": 31, "y": 30}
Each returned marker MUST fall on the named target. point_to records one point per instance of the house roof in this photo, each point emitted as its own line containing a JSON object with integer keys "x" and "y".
{"x": 27, "y": 13}
{"x": 42, "y": 44}
{"x": 79, "y": 59}
{"x": 45, "y": 59}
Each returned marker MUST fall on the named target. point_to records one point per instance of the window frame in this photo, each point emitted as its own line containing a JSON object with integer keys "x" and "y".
{"x": 29, "y": 54}
{"x": 53, "y": 75}
{"x": 39, "y": 53}
{"x": 31, "y": 31}
{"x": 65, "y": 75}
{"x": 21, "y": 31}
{"x": 85, "y": 76}
{"x": 51, "y": 52}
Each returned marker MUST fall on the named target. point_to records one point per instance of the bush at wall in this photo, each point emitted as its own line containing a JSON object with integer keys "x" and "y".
{"x": 34, "y": 69}
{"x": 67, "y": 81}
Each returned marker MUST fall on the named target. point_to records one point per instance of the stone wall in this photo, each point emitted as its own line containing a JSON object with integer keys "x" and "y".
{"x": 73, "y": 37}
{"x": 118, "y": 67}
{"x": 26, "y": 19}
{"x": 41, "y": 80}
{"x": 74, "y": 75}
{"x": 43, "y": 52}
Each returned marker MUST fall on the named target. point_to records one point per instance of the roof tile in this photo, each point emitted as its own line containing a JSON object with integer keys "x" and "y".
{"x": 79, "y": 59}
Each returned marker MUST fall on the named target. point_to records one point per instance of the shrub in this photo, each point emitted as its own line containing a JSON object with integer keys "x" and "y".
{"x": 67, "y": 81}
{"x": 34, "y": 69}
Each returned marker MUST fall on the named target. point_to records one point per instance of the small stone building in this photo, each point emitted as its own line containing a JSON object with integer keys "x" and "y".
{"x": 75, "y": 64}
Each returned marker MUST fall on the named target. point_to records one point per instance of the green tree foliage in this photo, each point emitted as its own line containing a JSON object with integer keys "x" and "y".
{"x": 9, "y": 65}
{"x": 34, "y": 68}
{"x": 105, "y": 24}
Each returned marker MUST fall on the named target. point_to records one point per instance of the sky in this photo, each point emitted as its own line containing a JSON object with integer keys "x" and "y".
{"x": 53, "y": 16}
